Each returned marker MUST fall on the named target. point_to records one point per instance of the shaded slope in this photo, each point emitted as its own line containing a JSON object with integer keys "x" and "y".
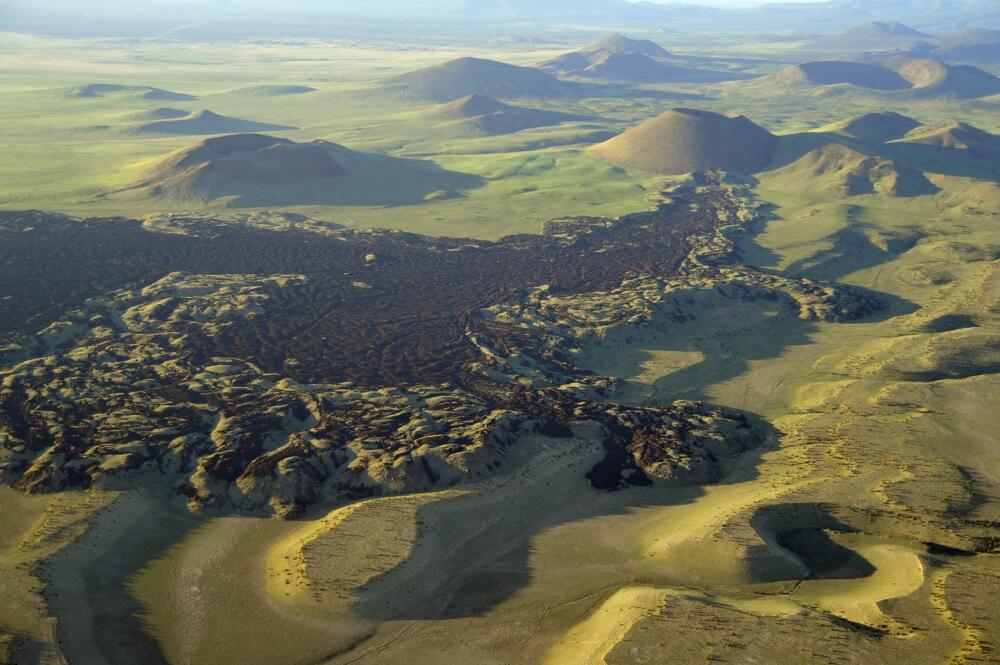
{"x": 958, "y": 136}
{"x": 638, "y": 68}
{"x": 838, "y": 156}
{"x": 686, "y": 140}
{"x": 161, "y": 113}
{"x": 271, "y": 90}
{"x": 206, "y": 122}
{"x": 930, "y": 77}
{"x": 482, "y": 115}
{"x": 836, "y": 72}
{"x": 873, "y": 36}
{"x": 474, "y": 76}
{"x": 844, "y": 171}
{"x": 247, "y": 170}
{"x": 975, "y": 45}
{"x": 915, "y": 76}
{"x": 140, "y": 91}
{"x": 619, "y": 58}
{"x": 875, "y": 127}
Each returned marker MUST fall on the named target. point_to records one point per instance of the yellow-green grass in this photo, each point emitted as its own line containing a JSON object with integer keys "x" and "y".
{"x": 537, "y": 561}
{"x": 845, "y": 436}
{"x": 62, "y": 153}
{"x": 537, "y": 565}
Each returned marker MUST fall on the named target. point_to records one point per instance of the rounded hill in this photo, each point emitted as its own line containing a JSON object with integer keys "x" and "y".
{"x": 249, "y": 170}
{"x": 475, "y": 76}
{"x": 619, "y": 43}
{"x": 161, "y": 113}
{"x": 687, "y": 140}
{"x": 844, "y": 171}
{"x": 956, "y": 136}
{"x": 614, "y": 44}
{"x": 482, "y": 115}
{"x": 915, "y": 76}
{"x": 836, "y": 72}
{"x": 93, "y": 90}
{"x": 874, "y": 35}
{"x": 272, "y": 90}
{"x": 874, "y": 127}
{"x": 933, "y": 78}
{"x": 206, "y": 122}
{"x": 622, "y": 59}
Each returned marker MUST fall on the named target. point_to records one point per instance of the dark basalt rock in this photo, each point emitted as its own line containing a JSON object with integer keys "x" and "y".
{"x": 251, "y": 367}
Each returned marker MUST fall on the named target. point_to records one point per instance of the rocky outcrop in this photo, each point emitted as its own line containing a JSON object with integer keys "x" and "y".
{"x": 532, "y": 338}
{"x": 115, "y": 392}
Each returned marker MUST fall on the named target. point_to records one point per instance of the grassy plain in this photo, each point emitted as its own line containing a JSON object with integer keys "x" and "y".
{"x": 64, "y": 152}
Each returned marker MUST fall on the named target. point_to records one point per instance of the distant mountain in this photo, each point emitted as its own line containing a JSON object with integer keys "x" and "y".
{"x": 206, "y": 122}
{"x": 474, "y": 76}
{"x": 241, "y": 167}
{"x": 613, "y": 43}
{"x": 972, "y": 37}
{"x": 957, "y": 136}
{"x": 884, "y": 152}
{"x": 836, "y": 72}
{"x": 871, "y": 36}
{"x": 978, "y": 45}
{"x": 845, "y": 171}
{"x": 687, "y": 140}
{"x": 930, "y": 16}
{"x": 622, "y": 59}
{"x": 271, "y": 90}
{"x": 161, "y": 113}
{"x": 482, "y": 115}
{"x": 250, "y": 170}
{"x": 93, "y": 90}
{"x": 914, "y": 76}
{"x": 933, "y": 78}
{"x": 240, "y": 19}
{"x": 874, "y": 127}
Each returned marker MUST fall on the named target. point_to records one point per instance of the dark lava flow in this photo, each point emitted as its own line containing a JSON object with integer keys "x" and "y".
{"x": 406, "y": 324}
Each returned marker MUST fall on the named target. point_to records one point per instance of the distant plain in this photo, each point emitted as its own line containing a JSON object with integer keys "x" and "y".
{"x": 879, "y": 468}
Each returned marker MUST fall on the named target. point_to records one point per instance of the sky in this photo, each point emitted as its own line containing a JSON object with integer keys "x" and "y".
{"x": 728, "y": 3}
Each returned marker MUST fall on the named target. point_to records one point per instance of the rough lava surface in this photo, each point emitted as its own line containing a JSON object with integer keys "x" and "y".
{"x": 132, "y": 382}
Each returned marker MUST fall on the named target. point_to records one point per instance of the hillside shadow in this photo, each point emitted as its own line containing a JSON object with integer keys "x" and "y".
{"x": 619, "y": 91}
{"x": 185, "y": 127}
{"x": 726, "y": 362}
{"x": 491, "y": 561}
{"x": 117, "y": 619}
{"x": 388, "y": 181}
{"x": 852, "y": 250}
{"x": 802, "y": 529}
{"x": 765, "y": 330}
{"x": 939, "y": 160}
{"x": 375, "y": 180}
{"x": 566, "y": 90}
{"x": 945, "y": 160}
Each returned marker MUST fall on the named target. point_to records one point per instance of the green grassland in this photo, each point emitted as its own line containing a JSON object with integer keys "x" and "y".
{"x": 882, "y": 431}
{"x": 67, "y": 152}
{"x": 63, "y": 152}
